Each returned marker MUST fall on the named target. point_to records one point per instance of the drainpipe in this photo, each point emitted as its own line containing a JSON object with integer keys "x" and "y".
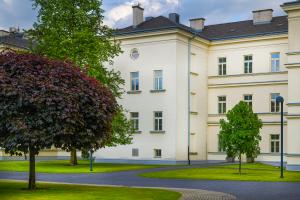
{"x": 189, "y": 95}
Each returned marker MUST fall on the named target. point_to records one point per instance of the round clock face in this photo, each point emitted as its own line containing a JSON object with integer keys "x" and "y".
{"x": 134, "y": 54}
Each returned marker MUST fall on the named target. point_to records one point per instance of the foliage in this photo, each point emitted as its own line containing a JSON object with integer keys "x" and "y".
{"x": 74, "y": 30}
{"x": 46, "y": 102}
{"x": 240, "y": 133}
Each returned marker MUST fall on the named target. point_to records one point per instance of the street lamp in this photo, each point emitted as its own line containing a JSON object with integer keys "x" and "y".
{"x": 280, "y": 100}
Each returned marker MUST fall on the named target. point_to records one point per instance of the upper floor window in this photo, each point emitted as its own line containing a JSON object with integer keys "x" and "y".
{"x": 274, "y": 143}
{"x": 134, "y": 79}
{"x": 248, "y": 99}
{"x": 275, "y": 62}
{"x": 158, "y": 121}
{"x": 222, "y": 66}
{"x": 158, "y": 80}
{"x": 222, "y": 104}
{"x": 275, "y": 106}
{"x": 134, "y": 117}
{"x": 248, "y": 62}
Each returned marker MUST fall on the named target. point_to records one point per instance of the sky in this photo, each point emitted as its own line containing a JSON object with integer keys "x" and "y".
{"x": 118, "y": 13}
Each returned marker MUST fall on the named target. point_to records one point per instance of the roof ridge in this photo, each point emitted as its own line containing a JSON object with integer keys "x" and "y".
{"x": 248, "y": 20}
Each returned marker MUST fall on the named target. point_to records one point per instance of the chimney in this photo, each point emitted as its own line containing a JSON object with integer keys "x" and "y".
{"x": 138, "y": 15}
{"x": 148, "y": 18}
{"x": 13, "y": 30}
{"x": 262, "y": 16}
{"x": 174, "y": 17}
{"x": 197, "y": 24}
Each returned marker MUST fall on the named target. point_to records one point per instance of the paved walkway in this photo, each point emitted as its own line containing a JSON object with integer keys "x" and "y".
{"x": 241, "y": 189}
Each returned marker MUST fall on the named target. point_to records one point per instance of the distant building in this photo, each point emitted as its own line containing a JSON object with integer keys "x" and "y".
{"x": 181, "y": 80}
{"x": 13, "y": 39}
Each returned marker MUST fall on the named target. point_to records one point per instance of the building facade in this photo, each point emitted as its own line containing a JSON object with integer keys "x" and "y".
{"x": 180, "y": 81}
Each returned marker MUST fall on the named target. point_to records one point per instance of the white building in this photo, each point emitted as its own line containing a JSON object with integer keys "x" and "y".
{"x": 181, "y": 80}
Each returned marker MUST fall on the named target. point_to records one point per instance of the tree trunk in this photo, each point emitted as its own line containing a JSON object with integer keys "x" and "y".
{"x": 73, "y": 158}
{"x": 240, "y": 163}
{"x": 31, "y": 183}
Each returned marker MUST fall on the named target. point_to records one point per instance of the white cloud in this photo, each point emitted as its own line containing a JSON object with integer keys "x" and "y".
{"x": 123, "y": 11}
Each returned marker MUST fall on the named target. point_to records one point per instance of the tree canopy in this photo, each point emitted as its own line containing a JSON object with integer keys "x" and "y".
{"x": 47, "y": 102}
{"x": 74, "y": 30}
{"x": 240, "y": 134}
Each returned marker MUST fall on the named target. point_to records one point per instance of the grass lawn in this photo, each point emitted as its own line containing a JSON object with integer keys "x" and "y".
{"x": 63, "y": 166}
{"x": 16, "y": 191}
{"x": 250, "y": 172}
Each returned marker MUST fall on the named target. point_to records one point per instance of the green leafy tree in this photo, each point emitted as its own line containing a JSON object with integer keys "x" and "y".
{"x": 240, "y": 134}
{"x": 74, "y": 30}
{"x": 45, "y": 103}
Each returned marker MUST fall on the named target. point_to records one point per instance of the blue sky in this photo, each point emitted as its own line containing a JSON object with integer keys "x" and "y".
{"x": 118, "y": 12}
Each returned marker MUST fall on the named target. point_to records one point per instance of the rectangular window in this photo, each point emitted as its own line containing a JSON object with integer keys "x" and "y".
{"x": 134, "y": 79}
{"x": 158, "y": 80}
{"x": 274, "y": 143}
{"x": 275, "y": 62}
{"x": 135, "y": 152}
{"x": 275, "y": 106}
{"x": 158, "y": 121}
{"x": 248, "y": 62}
{"x": 248, "y": 100}
{"x": 222, "y": 66}
{"x": 134, "y": 117}
{"x": 157, "y": 153}
{"x": 220, "y": 147}
{"x": 222, "y": 104}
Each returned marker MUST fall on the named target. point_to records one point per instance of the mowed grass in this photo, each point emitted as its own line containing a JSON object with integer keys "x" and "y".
{"x": 10, "y": 190}
{"x": 250, "y": 172}
{"x": 63, "y": 166}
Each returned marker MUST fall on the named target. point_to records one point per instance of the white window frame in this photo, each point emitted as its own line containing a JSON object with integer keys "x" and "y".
{"x": 158, "y": 121}
{"x": 249, "y": 101}
{"x": 276, "y": 143}
{"x": 273, "y": 102}
{"x": 135, "y": 120}
{"x": 248, "y": 64}
{"x": 157, "y": 153}
{"x": 222, "y": 66}
{"x": 275, "y": 62}
{"x": 134, "y": 81}
{"x": 158, "y": 80}
{"x": 222, "y": 105}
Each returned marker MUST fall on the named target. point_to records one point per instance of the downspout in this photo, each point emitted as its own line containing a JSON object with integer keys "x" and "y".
{"x": 189, "y": 95}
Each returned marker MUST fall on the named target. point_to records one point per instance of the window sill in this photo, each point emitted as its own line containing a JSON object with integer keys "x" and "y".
{"x": 137, "y": 132}
{"x": 157, "y": 132}
{"x": 157, "y": 156}
{"x": 134, "y": 92}
{"x": 157, "y": 91}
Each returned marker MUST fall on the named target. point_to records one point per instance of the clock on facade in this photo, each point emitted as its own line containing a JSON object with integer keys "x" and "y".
{"x": 134, "y": 54}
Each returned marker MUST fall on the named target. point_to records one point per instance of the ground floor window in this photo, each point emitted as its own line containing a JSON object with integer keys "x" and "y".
{"x": 157, "y": 153}
{"x": 135, "y": 152}
{"x": 275, "y": 143}
{"x": 220, "y": 147}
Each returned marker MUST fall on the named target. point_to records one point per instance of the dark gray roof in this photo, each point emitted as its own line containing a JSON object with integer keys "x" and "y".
{"x": 291, "y": 3}
{"x": 232, "y": 30}
{"x": 16, "y": 40}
